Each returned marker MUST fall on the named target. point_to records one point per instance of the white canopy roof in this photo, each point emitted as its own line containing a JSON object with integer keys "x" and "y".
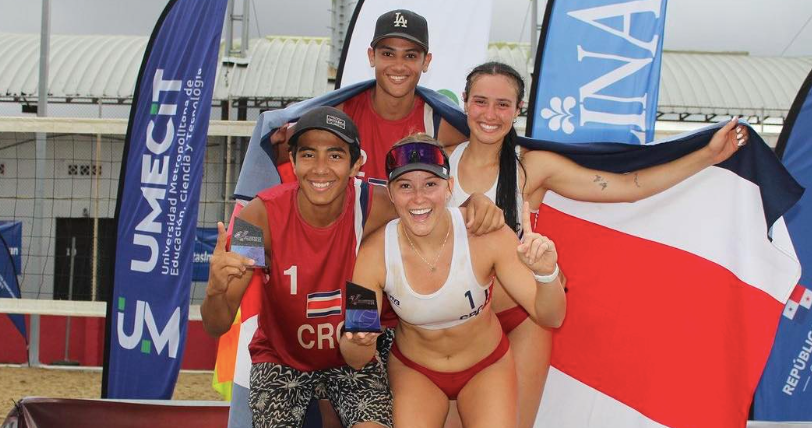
{"x": 291, "y": 68}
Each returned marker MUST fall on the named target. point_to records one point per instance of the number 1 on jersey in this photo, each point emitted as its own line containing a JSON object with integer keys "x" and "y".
{"x": 470, "y": 298}
{"x": 292, "y": 273}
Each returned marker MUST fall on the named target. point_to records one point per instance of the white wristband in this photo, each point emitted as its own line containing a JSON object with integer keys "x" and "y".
{"x": 545, "y": 279}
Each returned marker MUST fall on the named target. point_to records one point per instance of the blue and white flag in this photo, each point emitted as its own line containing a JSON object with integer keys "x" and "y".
{"x": 597, "y": 71}
{"x": 156, "y": 211}
{"x": 11, "y": 233}
{"x": 785, "y": 390}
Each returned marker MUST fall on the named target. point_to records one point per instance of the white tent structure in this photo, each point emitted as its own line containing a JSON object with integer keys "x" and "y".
{"x": 695, "y": 86}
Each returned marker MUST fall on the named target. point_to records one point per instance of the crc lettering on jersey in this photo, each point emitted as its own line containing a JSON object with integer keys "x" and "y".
{"x": 400, "y": 21}
{"x": 474, "y": 312}
{"x": 321, "y": 336}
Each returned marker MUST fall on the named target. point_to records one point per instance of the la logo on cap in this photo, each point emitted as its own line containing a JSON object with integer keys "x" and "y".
{"x": 400, "y": 20}
{"x": 336, "y": 121}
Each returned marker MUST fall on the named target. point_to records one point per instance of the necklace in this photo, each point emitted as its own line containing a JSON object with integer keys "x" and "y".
{"x": 432, "y": 267}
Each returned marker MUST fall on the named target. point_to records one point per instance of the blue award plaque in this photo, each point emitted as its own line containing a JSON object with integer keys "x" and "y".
{"x": 362, "y": 310}
{"x": 246, "y": 240}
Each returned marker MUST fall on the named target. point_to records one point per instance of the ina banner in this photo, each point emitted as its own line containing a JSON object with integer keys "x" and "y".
{"x": 156, "y": 210}
{"x": 597, "y": 71}
{"x": 785, "y": 391}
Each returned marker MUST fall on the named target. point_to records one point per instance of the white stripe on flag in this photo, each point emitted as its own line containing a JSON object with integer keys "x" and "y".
{"x": 692, "y": 216}
{"x": 336, "y": 296}
{"x": 568, "y": 403}
{"x": 359, "y": 213}
{"x": 323, "y": 311}
{"x": 791, "y": 309}
{"x": 242, "y": 365}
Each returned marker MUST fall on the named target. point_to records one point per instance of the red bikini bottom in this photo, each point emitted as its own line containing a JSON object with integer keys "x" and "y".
{"x": 451, "y": 383}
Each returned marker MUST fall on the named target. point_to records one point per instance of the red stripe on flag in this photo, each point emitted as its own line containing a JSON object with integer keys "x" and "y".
{"x": 252, "y": 299}
{"x": 797, "y": 293}
{"x": 686, "y": 351}
{"x": 323, "y": 304}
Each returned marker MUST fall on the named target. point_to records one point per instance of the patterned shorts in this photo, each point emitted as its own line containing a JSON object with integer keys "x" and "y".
{"x": 384, "y": 345}
{"x": 279, "y": 395}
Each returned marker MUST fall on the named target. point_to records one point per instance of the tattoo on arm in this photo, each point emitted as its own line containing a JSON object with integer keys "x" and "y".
{"x": 636, "y": 183}
{"x": 601, "y": 182}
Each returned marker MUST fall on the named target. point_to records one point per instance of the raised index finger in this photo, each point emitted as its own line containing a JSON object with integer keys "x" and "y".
{"x": 222, "y": 237}
{"x": 526, "y": 225}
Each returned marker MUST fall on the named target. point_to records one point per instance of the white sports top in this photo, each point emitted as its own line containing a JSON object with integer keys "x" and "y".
{"x": 459, "y": 299}
{"x": 459, "y": 196}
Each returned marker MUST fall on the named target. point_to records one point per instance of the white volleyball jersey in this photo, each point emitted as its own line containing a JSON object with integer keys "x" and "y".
{"x": 459, "y": 299}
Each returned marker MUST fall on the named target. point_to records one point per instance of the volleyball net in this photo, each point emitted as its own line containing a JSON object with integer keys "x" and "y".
{"x": 58, "y": 188}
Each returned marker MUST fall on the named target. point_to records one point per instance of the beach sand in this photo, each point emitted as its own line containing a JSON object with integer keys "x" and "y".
{"x": 19, "y": 382}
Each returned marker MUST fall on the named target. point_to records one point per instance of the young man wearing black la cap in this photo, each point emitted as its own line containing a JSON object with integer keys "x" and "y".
{"x": 391, "y": 110}
{"x": 311, "y": 230}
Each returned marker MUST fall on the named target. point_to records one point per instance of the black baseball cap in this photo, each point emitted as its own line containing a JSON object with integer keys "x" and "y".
{"x": 403, "y": 24}
{"x": 328, "y": 119}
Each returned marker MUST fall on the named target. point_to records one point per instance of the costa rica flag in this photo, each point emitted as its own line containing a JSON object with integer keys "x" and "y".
{"x": 324, "y": 304}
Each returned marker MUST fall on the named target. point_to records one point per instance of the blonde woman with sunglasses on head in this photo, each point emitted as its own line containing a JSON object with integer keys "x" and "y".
{"x": 438, "y": 278}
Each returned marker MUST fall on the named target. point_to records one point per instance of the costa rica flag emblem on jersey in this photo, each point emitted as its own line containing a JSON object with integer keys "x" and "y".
{"x": 324, "y": 304}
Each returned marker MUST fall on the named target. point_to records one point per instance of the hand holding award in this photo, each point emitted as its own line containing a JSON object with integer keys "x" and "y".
{"x": 246, "y": 240}
{"x": 362, "y": 323}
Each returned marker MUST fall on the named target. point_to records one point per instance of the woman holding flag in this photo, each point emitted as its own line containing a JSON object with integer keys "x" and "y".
{"x": 449, "y": 344}
{"x": 492, "y": 163}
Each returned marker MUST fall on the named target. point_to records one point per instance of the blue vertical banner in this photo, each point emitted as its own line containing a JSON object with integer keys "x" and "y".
{"x": 785, "y": 390}
{"x": 597, "y": 71}
{"x": 156, "y": 210}
{"x": 11, "y": 238}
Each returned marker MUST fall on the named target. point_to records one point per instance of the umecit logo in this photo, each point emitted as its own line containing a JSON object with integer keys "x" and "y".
{"x": 170, "y": 334}
{"x": 155, "y": 170}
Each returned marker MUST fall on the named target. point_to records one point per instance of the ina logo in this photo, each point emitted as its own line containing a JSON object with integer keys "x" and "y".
{"x": 559, "y": 114}
{"x": 170, "y": 334}
{"x": 400, "y": 20}
{"x": 799, "y": 301}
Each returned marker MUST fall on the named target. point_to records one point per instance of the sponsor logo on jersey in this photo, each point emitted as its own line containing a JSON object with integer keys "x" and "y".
{"x": 324, "y": 304}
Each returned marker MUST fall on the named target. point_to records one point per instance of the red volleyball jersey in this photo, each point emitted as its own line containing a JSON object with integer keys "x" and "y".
{"x": 378, "y": 135}
{"x": 303, "y": 299}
